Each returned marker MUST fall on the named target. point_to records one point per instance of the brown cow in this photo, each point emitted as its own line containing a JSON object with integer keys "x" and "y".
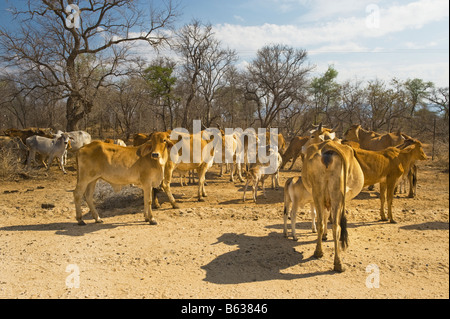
{"x": 118, "y": 165}
{"x": 386, "y": 167}
{"x": 201, "y": 167}
{"x": 372, "y": 141}
{"x": 332, "y": 175}
{"x": 26, "y": 133}
{"x": 281, "y": 141}
{"x": 294, "y": 150}
{"x": 298, "y": 145}
{"x": 140, "y": 138}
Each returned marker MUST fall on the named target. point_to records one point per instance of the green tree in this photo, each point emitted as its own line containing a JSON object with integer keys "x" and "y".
{"x": 161, "y": 82}
{"x": 325, "y": 93}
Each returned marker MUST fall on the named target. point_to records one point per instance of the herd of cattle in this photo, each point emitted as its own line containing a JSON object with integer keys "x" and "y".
{"x": 333, "y": 172}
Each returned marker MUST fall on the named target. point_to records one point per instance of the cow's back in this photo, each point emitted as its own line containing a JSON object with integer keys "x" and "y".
{"x": 79, "y": 139}
{"x": 39, "y": 143}
{"x": 324, "y": 165}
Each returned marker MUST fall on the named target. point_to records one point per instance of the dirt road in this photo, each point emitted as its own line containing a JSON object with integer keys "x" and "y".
{"x": 220, "y": 248}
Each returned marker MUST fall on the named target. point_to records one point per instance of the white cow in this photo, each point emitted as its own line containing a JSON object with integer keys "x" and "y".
{"x": 77, "y": 140}
{"x": 47, "y": 147}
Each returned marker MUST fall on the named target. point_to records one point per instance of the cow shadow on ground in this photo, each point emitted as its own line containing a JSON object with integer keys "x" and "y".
{"x": 257, "y": 259}
{"x": 367, "y": 195}
{"x": 68, "y": 228}
{"x": 435, "y": 225}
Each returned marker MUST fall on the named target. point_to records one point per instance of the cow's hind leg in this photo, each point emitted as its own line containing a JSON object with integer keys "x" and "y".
{"x": 294, "y": 219}
{"x": 318, "y": 253}
{"x": 313, "y": 218}
{"x": 89, "y": 195}
{"x": 78, "y": 197}
{"x": 201, "y": 183}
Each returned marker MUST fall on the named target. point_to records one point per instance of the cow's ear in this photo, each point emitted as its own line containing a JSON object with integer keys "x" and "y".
{"x": 146, "y": 149}
{"x": 169, "y": 143}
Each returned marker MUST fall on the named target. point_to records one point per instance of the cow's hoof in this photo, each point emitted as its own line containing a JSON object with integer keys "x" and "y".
{"x": 393, "y": 221}
{"x": 99, "y": 221}
{"x": 201, "y": 199}
{"x": 153, "y": 222}
{"x": 318, "y": 254}
{"x": 175, "y": 205}
{"x": 339, "y": 268}
{"x": 81, "y": 223}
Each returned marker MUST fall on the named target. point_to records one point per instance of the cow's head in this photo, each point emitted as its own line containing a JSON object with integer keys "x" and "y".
{"x": 352, "y": 134}
{"x": 416, "y": 150}
{"x": 64, "y": 138}
{"x": 318, "y": 135}
{"x": 321, "y": 134}
{"x": 157, "y": 147}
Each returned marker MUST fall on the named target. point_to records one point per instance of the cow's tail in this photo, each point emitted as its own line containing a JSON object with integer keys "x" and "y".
{"x": 344, "y": 233}
{"x": 343, "y": 221}
{"x": 326, "y": 160}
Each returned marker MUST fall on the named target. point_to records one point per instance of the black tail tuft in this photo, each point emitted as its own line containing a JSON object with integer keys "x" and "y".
{"x": 327, "y": 158}
{"x": 344, "y": 232}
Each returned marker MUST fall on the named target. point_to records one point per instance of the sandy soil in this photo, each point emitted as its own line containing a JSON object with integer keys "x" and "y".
{"x": 220, "y": 248}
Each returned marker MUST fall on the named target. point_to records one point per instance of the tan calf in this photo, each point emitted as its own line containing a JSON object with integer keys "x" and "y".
{"x": 256, "y": 174}
{"x": 296, "y": 194}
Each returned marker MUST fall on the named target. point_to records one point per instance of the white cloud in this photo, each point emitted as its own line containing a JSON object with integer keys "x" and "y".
{"x": 372, "y": 69}
{"x": 239, "y": 18}
{"x": 393, "y": 19}
{"x": 320, "y": 10}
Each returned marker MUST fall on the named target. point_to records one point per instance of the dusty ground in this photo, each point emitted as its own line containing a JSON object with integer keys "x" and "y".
{"x": 221, "y": 248}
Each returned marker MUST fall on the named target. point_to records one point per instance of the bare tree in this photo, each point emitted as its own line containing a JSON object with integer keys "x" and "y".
{"x": 276, "y": 80}
{"x": 71, "y": 49}
{"x": 193, "y": 41}
{"x": 216, "y": 62}
{"x": 440, "y": 99}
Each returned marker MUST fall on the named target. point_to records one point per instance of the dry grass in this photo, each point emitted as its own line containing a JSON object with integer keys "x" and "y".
{"x": 9, "y": 163}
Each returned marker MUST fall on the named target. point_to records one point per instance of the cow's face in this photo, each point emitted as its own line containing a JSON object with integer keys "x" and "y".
{"x": 158, "y": 147}
{"x": 416, "y": 151}
{"x": 321, "y": 135}
{"x": 352, "y": 134}
{"x": 421, "y": 154}
{"x": 66, "y": 140}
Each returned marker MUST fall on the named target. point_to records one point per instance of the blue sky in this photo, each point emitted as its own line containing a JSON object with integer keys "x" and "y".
{"x": 363, "y": 39}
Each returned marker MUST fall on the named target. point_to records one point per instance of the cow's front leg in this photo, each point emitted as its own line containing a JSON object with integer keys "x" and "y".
{"x": 148, "y": 216}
